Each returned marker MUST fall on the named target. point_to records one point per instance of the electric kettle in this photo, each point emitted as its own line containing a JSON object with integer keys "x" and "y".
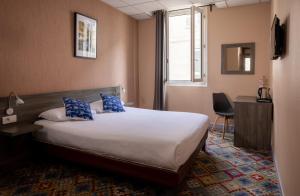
{"x": 264, "y": 94}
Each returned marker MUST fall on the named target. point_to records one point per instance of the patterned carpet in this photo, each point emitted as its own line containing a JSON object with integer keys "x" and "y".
{"x": 225, "y": 170}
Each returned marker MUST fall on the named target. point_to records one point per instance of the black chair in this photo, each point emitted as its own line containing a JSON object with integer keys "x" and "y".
{"x": 222, "y": 108}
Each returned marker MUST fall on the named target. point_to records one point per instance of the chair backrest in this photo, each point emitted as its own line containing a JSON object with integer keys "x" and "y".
{"x": 221, "y": 103}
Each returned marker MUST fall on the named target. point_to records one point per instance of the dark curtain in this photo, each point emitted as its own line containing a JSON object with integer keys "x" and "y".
{"x": 160, "y": 61}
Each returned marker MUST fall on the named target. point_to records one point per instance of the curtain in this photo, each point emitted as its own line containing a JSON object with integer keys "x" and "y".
{"x": 160, "y": 60}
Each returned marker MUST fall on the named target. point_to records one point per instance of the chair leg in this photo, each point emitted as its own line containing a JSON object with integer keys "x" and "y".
{"x": 214, "y": 125}
{"x": 225, "y": 126}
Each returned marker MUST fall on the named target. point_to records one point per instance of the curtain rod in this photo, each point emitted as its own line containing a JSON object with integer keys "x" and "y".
{"x": 208, "y": 5}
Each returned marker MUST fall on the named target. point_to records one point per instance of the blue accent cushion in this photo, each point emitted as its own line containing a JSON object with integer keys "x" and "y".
{"x": 112, "y": 104}
{"x": 77, "y": 109}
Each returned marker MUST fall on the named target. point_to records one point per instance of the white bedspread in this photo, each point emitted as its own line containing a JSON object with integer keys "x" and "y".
{"x": 154, "y": 138}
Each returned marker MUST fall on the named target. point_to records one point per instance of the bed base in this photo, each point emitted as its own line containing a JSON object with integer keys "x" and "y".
{"x": 152, "y": 174}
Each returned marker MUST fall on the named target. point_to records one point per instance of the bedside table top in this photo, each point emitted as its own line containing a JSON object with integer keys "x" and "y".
{"x": 19, "y": 129}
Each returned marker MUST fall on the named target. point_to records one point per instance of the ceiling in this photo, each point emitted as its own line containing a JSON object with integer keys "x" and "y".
{"x": 142, "y": 9}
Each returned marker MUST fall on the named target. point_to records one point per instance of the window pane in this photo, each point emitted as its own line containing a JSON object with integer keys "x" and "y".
{"x": 198, "y": 45}
{"x": 180, "y": 47}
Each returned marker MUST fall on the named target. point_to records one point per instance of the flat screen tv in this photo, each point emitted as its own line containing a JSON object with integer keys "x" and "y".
{"x": 276, "y": 39}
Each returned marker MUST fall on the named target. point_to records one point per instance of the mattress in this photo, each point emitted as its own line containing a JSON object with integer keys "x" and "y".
{"x": 160, "y": 139}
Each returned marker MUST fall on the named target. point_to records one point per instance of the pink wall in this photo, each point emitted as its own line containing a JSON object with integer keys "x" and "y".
{"x": 37, "y": 47}
{"x": 233, "y": 25}
{"x": 286, "y": 96}
{"x": 146, "y": 61}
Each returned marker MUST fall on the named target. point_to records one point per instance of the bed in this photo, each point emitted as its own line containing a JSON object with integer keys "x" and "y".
{"x": 156, "y": 146}
{"x": 153, "y": 138}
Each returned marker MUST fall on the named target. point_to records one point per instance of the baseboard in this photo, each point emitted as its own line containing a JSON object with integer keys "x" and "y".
{"x": 277, "y": 173}
{"x": 220, "y": 126}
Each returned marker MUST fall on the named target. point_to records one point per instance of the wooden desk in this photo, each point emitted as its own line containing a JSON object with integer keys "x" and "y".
{"x": 253, "y": 123}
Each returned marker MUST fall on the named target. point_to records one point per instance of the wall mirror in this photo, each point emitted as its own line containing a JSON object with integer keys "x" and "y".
{"x": 238, "y": 58}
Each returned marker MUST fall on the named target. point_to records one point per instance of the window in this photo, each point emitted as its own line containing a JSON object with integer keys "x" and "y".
{"x": 186, "y": 48}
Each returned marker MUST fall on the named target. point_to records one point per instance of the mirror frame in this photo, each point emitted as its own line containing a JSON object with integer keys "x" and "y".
{"x": 250, "y": 45}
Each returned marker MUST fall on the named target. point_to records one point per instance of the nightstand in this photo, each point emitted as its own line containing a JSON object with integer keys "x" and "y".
{"x": 16, "y": 143}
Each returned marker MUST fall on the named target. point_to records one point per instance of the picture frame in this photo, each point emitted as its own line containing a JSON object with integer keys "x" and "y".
{"x": 85, "y": 36}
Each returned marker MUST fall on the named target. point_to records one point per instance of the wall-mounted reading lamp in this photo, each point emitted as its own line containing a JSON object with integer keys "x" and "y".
{"x": 19, "y": 101}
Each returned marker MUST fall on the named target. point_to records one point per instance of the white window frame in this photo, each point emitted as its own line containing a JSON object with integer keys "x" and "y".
{"x": 204, "y": 69}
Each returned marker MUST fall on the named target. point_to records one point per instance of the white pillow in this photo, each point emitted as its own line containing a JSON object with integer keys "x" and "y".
{"x": 57, "y": 114}
{"x": 97, "y": 106}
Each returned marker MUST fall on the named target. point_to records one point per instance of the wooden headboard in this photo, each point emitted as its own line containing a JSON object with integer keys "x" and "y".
{"x": 38, "y": 103}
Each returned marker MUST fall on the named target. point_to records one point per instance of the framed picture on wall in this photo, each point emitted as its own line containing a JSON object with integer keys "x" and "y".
{"x": 85, "y": 36}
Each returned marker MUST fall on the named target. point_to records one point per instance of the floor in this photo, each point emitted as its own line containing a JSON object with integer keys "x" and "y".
{"x": 225, "y": 170}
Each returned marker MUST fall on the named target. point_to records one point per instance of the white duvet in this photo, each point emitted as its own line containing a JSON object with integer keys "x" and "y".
{"x": 154, "y": 138}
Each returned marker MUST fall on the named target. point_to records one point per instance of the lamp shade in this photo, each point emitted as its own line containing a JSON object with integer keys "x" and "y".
{"x": 19, "y": 100}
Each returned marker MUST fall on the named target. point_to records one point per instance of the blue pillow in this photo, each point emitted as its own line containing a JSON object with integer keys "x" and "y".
{"x": 112, "y": 104}
{"x": 77, "y": 109}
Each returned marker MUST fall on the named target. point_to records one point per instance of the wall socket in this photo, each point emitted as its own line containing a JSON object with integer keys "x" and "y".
{"x": 9, "y": 119}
